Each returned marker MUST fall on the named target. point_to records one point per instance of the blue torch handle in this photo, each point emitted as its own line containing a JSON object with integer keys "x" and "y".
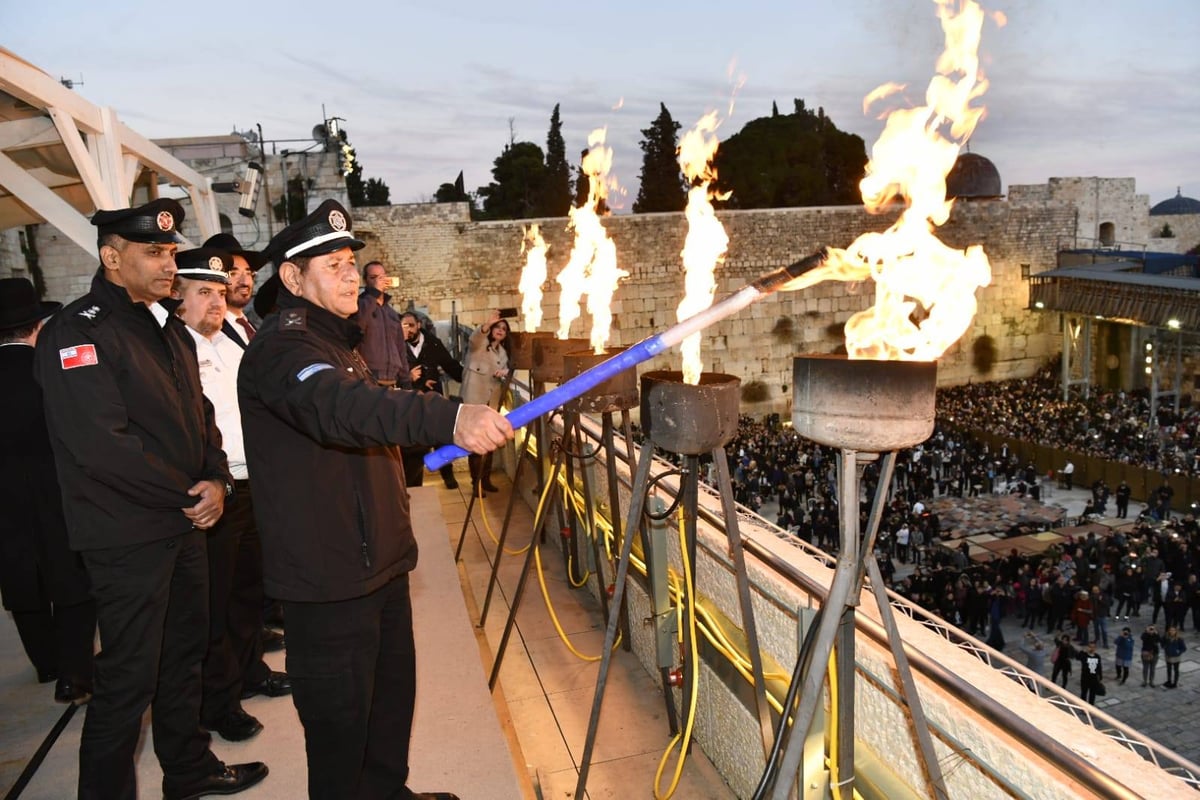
{"x": 542, "y": 404}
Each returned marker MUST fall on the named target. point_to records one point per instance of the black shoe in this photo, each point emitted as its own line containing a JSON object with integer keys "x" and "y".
{"x": 76, "y": 693}
{"x": 47, "y": 676}
{"x": 273, "y": 641}
{"x": 276, "y": 684}
{"x": 488, "y": 486}
{"x": 230, "y": 780}
{"x": 451, "y": 483}
{"x": 236, "y": 726}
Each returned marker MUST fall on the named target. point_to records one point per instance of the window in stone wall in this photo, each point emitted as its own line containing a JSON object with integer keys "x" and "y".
{"x": 1108, "y": 234}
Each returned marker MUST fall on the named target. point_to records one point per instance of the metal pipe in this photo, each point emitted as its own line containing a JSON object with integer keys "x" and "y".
{"x": 642, "y": 351}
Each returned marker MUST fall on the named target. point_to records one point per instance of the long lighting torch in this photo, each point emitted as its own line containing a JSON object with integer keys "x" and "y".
{"x": 643, "y": 351}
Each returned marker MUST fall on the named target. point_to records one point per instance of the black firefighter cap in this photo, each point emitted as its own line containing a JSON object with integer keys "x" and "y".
{"x": 325, "y": 230}
{"x": 204, "y": 264}
{"x": 229, "y": 243}
{"x": 157, "y": 222}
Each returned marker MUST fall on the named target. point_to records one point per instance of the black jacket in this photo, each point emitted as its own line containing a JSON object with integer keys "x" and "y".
{"x": 326, "y": 476}
{"x": 434, "y": 355}
{"x": 35, "y": 561}
{"x": 133, "y": 431}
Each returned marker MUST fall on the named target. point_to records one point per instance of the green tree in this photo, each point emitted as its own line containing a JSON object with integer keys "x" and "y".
{"x": 518, "y": 181}
{"x": 556, "y": 193}
{"x": 662, "y": 187}
{"x": 369, "y": 192}
{"x": 797, "y": 159}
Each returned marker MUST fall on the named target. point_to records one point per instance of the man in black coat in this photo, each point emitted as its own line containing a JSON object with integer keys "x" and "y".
{"x": 42, "y": 582}
{"x": 427, "y": 358}
{"x": 337, "y": 537}
{"x": 143, "y": 476}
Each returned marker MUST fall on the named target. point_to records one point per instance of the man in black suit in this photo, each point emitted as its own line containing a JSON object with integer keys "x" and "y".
{"x": 238, "y": 326}
{"x": 43, "y": 583}
{"x": 427, "y": 357}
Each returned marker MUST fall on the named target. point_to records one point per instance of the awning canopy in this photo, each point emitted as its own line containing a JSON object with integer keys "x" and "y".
{"x": 62, "y": 158}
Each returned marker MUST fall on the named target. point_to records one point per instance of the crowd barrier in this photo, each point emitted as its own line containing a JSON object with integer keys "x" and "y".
{"x": 1049, "y": 461}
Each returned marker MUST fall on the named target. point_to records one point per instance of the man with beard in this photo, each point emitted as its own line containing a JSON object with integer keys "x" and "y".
{"x": 245, "y": 263}
{"x": 240, "y": 330}
{"x": 233, "y": 666}
{"x": 426, "y": 357}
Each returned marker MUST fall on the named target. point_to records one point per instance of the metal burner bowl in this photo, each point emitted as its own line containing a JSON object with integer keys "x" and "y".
{"x": 686, "y": 419}
{"x": 548, "y": 355}
{"x": 520, "y": 347}
{"x": 864, "y": 405}
{"x": 618, "y": 393}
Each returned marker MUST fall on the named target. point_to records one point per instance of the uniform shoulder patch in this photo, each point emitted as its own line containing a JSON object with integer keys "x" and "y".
{"x": 90, "y": 312}
{"x": 312, "y": 369}
{"x": 293, "y": 319}
{"x": 81, "y": 355}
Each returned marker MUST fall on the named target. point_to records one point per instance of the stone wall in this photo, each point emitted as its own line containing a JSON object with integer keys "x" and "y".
{"x": 1186, "y": 228}
{"x": 447, "y": 262}
{"x": 1096, "y": 201}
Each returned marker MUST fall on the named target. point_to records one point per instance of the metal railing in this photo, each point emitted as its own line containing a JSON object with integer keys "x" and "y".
{"x": 1012, "y": 724}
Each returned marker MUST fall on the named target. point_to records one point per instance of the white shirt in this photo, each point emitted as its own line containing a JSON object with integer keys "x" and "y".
{"x": 219, "y": 359}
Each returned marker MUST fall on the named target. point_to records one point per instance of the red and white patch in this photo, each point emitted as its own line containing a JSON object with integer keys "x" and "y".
{"x": 165, "y": 221}
{"x": 83, "y": 355}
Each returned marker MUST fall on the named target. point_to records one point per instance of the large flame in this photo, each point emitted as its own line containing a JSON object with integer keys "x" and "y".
{"x": 533, "y": 275}
{"x": 924, "y": 290}
{"x": 706, "y": 239}
{"x": 592, "y": 267}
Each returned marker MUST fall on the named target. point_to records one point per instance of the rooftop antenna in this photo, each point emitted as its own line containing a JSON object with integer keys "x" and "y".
{"x": 71, "y": 84}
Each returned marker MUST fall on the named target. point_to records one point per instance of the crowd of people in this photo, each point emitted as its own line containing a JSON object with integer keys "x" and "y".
{"x": 1113, "y": 425}
{"x": 203, "y": 467}
{"x": 1077, "y": 592}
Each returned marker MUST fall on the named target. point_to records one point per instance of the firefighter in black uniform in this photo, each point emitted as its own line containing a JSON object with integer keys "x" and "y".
{"x": 143, "y": 477}
{"x": 333, "y": 514}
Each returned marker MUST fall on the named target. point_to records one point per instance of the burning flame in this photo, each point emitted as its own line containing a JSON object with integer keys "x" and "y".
{"x": 533, "y": 275}
{"x": 592, "y": 267}
{"x": 924, "y": 290}
{"x": 706, "y": 240}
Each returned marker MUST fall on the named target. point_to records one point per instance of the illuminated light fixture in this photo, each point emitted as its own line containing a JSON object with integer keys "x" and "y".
{"x": 1149, "y": 371}
{"x": 1039, "y": 304}
{"x": 1173, "y": 324}
{"x": 1149, "y": 346}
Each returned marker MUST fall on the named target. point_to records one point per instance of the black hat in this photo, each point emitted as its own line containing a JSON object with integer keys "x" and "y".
{"x": 204, "y": 264}
{"x": 230, "y": 244}
{"x": 325, "y": 230}
{"x": 19, "y": 304}
{"x": 157, "y": 222}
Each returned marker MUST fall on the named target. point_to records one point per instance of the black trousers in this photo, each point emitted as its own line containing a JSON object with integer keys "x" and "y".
{"x": 353, "y": 671}
{"x": 152, "y": 608}
{"x": 60, "y": 640}
{"x": 235, "y": 608}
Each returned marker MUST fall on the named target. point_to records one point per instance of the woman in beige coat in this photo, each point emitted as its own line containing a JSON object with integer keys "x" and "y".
{"x": 483, "y": 378}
